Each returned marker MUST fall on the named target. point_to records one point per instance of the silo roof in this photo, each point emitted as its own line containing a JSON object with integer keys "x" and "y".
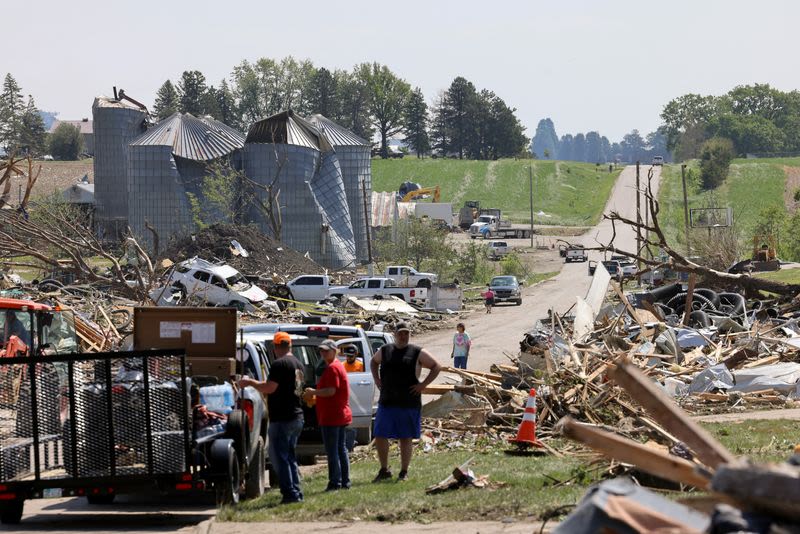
{"x": 108, "y": 102}
{"x": 195, "y": 138}
{"x": 337, "y": 134}
{"x": 290, "y": 129}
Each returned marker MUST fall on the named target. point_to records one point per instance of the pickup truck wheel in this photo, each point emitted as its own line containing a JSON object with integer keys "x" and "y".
{"x": 472, "y": 237}
{"x": 237, "y": 429}
{"x": 228, "y": 487}
{"x": 519, "y": 302}
{"x": 11, "y": 512}
{"x": 101, "y": 500}
{"x": 424, "y": 283}
{"x": 254, "y": 486}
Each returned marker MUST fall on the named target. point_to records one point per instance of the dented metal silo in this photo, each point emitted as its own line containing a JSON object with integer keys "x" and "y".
{"x": 354, "y": 158}
{"x": 167, "y": 164}
{"x": 291, "y": 155}
{"x": 116, "y": 123}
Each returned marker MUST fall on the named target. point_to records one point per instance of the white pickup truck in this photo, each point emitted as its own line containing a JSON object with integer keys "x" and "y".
{"x": 497, "y": 250}
{"x": 406, "y": 276}
{"x": 381, "y": 287}
{"x": 309, "y": 287}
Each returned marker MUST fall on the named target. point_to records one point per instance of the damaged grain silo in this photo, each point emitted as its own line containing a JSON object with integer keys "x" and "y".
{"x": 354, "y": 158}
{"x": 290, "y": 154}
{"x": 116, "y": 123}
{"x": 166, "y": 169}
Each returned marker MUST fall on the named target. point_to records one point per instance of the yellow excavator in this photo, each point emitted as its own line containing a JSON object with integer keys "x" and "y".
{"x": 435, "y": 191}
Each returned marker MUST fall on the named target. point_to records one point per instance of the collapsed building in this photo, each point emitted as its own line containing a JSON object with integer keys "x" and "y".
{"x": 151, "y": 180}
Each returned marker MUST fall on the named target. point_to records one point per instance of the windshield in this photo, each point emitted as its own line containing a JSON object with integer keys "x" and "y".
{"x": 58, "y": 332}
{"x": 503, "y": 281}
{"x": 15, "y": 322}
{"x": 484, "y": 218}
{"x": 237, "y": 280}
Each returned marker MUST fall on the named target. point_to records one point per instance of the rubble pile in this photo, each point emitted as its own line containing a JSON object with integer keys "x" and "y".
{"x": 264, "y": 257}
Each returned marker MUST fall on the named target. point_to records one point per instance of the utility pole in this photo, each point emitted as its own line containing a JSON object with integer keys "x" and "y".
{"x": 638, "y": 221}
{"x": 367, "y": 216}
{"x": 685, "y": 209}
{"x": 530, "y": 179}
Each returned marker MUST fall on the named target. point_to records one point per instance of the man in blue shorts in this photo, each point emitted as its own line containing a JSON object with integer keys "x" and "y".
{"x": 396, "y": 368}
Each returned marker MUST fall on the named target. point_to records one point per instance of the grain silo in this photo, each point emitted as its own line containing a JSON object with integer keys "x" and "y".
{"x": 353, "y": 154}
{"x": 291, "y": 155}
{"x": 169, "y": 162}
{"x": 116, "y": 123}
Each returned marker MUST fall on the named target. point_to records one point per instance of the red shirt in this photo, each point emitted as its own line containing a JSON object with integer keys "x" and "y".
{"x": 335, "y": 410}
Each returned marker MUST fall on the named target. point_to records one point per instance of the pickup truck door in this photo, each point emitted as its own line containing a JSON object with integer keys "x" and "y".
{"x": 357, "y": 288}
{"x": 373, "y": 288}
{"x": 362, "y": 385}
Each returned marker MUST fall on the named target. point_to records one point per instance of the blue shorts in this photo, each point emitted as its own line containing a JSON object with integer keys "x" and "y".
{"x": 393, "y": 422}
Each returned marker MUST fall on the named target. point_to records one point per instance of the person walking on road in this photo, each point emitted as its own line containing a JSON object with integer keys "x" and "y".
{"x": 488, "y": 296}
{"x": 396, "y": 368}
{"x": 284, "y": 390}
{"x": 333, "y": 415}
{"x": 461, "y": 345}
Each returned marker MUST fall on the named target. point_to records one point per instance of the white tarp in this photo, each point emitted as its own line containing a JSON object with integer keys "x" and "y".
{"x": 779, "y": 376}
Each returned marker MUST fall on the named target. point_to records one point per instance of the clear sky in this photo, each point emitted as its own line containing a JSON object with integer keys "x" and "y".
{"x": 589, "y": 65}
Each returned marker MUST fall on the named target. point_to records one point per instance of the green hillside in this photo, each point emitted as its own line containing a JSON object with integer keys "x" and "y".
{"x": 570, "y": 193}
{"x": 751, "y": 186}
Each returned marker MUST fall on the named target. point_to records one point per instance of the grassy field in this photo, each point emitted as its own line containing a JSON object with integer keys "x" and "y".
{"x": 787, "y": 276}
{"x": 568, "y": 193}
{"x": 523, "y": 488}
{"x": 752, "y": 186}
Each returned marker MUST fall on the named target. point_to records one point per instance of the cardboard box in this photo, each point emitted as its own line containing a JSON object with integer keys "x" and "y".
{"x": 222, "y": 368}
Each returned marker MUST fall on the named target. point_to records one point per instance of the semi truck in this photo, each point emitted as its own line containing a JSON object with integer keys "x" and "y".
{"x": 491, "y": 225}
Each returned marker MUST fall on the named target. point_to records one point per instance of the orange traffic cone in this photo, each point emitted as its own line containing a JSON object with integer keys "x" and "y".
{"x": 526, "y": 435}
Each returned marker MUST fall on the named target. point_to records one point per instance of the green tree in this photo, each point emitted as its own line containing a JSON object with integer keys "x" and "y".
{"x": 353, "y": 95}
{"x": 579, "y": 147}
{"x": 66, "y": 142}
{"x": 33, "y": 138}
{"x": 715, "y": 159}
{"x": 772, "y": 223}
{"x": 210, "y": 102}
{"x": 459, "y": 106}
{"x": 323, "y": 94}
{"x": 167, "y": 101}
{"x": 545, "y": 139}
{"x": 687, "y": 112}
{"x": 416, "y": 123}
{"x": 388, "y": 95}
{"x": 595, "y": 152}
{"x": 12, "y": 109}
{"x": 226, "y": 106}
{"x": 440, "y": 140}
{"x": 192, "y": 89}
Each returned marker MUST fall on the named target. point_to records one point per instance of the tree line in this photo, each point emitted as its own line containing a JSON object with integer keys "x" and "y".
{"x": 22, "y": 130}
{"x": 370, "y": 100}
{"x": 592, "y": 147}
{"x": 757, "y": 119}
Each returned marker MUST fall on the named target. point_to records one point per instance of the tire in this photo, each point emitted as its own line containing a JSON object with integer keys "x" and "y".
{"x": 11, "y": 512}
{"x": 425, "y": 282}
{"x": 519, "y": 302}
{"x": 307, "y": 460}
{"x": 227, "y": 488}
{"x": 699, "y": 302}
{"x": 254, "y": 485}
{"x": 237, "y": 430}
{"x": 101, "y": 500}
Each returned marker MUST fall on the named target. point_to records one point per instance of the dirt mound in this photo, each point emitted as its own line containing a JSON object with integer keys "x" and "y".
{"x": 267, "y": 257}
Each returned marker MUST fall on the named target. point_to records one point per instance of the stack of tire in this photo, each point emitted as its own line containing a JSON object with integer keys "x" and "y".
{"x": 706, "y": 305}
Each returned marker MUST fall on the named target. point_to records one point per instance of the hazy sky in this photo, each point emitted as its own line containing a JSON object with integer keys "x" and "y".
{"x": 589, "y": 65}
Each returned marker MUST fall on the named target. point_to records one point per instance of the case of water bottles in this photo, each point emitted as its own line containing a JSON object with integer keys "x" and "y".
{"x": 218, "y": 398}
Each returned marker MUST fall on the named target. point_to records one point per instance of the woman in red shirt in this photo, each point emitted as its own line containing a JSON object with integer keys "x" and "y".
{"x": 333, "y": 415}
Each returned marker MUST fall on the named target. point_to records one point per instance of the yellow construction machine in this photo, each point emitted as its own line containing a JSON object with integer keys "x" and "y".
{"x": 411, "y": 195}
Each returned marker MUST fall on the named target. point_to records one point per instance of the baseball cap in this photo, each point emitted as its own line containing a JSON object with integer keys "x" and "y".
{"x": 350, "y": 349}
{"x": 328, "y": 345}
{"x": 402, "y": 325}
{"x": 282, "y": 338}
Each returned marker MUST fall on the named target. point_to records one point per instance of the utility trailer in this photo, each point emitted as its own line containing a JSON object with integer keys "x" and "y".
{"x": 101, "y": 424}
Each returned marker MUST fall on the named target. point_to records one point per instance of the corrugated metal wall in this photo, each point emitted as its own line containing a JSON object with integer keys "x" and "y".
{"x": 114, "y": 127}
{"x": 357, "y": 167}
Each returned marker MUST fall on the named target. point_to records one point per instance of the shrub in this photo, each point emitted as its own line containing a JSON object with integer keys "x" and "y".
{"x": 715, "y": 159}
{"x": 66, "y": 142}
{"x": 512, "y": 265}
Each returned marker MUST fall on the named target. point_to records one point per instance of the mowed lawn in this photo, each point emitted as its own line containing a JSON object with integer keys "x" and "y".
{"x": 751, "y": 186}
{"x": 520, "y": 489}
{"x": 567, "y": 193}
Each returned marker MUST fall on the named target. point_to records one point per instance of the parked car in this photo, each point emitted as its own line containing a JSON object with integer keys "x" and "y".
{"x": 658, "y": 160}
{"x": 379, "y": 339}
{"x": 506, "y": 289}
{"x": 629, "y": 267}
{"x": 406, "y": 276}
{"x": 497, "y": 250}
{"x": 216, "y": 284}
{"x": 379, "y": 287}
{"x": 309, "y": 287}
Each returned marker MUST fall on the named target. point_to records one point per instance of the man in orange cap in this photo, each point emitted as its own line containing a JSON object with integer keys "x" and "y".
{"x": 284, "y": 390}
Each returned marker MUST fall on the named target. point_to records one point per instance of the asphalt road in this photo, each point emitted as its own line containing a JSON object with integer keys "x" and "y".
{"x": 500, "y": 333}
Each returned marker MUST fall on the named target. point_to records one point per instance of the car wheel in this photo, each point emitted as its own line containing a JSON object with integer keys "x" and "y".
{"x": 11, "y": 512}
{"x": 228, "y": 487}
{"x": 519, "y": 302}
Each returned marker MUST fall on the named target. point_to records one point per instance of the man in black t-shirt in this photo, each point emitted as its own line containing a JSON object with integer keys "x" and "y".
{"x": 284, "y": 390}
{"x": 395, "y": 368}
